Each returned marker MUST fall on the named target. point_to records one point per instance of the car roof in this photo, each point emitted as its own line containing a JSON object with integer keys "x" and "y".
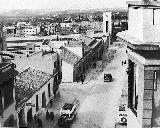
{"x": 67, "y": 106}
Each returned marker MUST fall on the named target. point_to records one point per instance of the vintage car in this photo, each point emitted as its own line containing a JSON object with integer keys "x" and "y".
{"x": 107, "y": 77}
{"x": 67, "y": 114}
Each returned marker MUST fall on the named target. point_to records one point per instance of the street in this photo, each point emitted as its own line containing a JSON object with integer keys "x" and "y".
{"x": 97, "y": 101}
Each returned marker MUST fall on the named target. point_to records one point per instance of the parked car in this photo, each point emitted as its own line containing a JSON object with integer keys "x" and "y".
{"x": 107, "y": 77}
{"x": 67, "y": 114}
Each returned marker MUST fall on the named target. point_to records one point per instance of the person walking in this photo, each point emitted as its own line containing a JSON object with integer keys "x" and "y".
{"x": 35, "y": 119}
{"x": 47, "y": 115}
{"x": 82, "y": 79}
{"x": 51, "y": 102}
{"x": 40, "y": 123}
{"x": 51, "y": 115}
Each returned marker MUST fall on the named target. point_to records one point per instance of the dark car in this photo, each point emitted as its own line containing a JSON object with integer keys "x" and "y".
{"x": 107, "y": 77}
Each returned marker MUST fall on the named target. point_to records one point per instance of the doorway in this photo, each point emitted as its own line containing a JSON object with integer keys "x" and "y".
{"x": 43, "y": 100}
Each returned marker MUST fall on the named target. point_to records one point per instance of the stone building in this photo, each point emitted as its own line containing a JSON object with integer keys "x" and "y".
{"x": 8, "y": 115}
{"x": 142, "y": 39}
{"x": 34, "y": 89}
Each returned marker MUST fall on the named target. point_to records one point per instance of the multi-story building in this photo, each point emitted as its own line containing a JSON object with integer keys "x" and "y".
{"x": 31, "y": 30}
{"x": 142, "y": 39}
{"x": 8, "y": 115}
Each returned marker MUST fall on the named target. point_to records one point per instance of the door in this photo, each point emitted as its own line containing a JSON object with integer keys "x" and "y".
{"x": 37, "y": 107}
{"x": 43, "y": 100}
{"x": 29, "y": 115}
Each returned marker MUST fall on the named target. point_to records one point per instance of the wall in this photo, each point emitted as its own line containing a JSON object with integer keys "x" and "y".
{"x": 9, "y": 111}
{"x": 67, "y": 72}
{"x": 135, "y": 23}
{"x": 140, "y": 86}
{"x": 39, "y": 93}
{"x": 136, "y": 120}
{"x": 42, "y": 62}
{"x": 144, "y": 24}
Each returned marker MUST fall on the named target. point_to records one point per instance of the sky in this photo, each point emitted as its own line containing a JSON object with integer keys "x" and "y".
{"x": 6, "y": 5}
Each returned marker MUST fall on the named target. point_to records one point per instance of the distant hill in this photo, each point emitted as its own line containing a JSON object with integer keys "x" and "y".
{"x": 26, "y": 12}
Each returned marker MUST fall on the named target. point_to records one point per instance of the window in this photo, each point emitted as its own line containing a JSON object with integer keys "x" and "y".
{"x": 37, "y": 107}
{"x": 55, "y": 64}
{"x": 132, "y": 87}
{"x": 49, "y": 92}
{"x": 156, "y": 16}
{"x": 106, "y": 26}
{"x": 155, "y": 81}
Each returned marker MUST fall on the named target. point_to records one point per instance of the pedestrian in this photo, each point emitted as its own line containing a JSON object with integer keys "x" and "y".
{"x": 122, "y": 62}
{"x": 51, "y": 115}
{"x": 51, "y": 102}
{"x": 40, "y": 123}
{"x": 47, "y": 115}
{"x": 82, "y": 79}
{"x": 35, "y": 118}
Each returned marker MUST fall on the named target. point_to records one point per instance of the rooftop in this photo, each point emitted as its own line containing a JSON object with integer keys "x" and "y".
{"x": 151, "y": 55}
{"x": 144, "y": 3}
{"x": 28, "y": 83}
{"x": 76, "y": 50}
{"x": 67, "y": 106}
{"x": 87, "y": 40}
{"x": 137, "y": 44}
{"x": 69, "y": 56}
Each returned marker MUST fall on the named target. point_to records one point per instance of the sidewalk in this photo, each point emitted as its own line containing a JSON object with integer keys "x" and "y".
{"x": 42, "y": 115}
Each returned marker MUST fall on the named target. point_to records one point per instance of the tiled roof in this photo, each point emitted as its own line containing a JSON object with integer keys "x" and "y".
{"x": 69, "y": 56}
{"x": 28, "y": 82}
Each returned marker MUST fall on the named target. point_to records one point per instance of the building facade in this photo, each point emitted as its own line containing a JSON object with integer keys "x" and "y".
{"x": 142, "y": 39}
{"x": 79, "y": 56}
{"x": 34, "y": 89}
{"x": 8, "y": 116}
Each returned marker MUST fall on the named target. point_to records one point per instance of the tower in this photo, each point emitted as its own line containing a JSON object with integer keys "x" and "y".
{"x": 107, "y": 25}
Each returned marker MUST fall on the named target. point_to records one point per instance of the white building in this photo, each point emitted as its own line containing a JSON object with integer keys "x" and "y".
{"x": 31, "y": 30}
{"x": 107, "y": 24}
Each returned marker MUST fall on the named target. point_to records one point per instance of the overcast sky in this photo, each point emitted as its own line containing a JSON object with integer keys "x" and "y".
{"x": 59, "y": 4}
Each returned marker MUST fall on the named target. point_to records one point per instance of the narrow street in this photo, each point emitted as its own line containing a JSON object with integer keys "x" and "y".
{"x": 97, "y": 101}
